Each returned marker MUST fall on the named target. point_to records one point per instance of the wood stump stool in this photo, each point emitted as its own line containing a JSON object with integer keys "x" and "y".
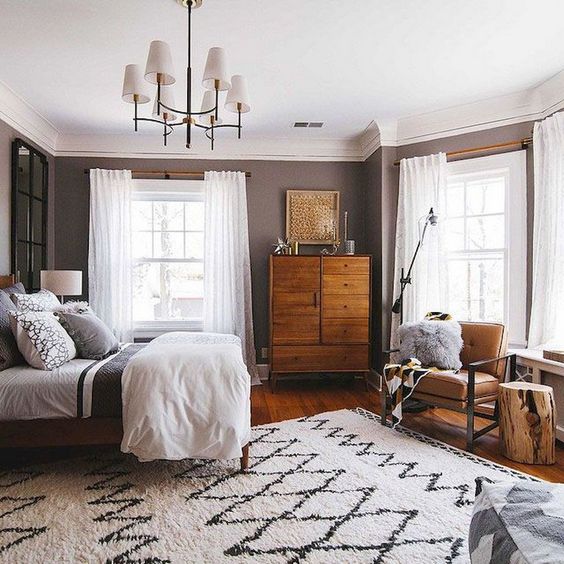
{"x": 527, "y": 422}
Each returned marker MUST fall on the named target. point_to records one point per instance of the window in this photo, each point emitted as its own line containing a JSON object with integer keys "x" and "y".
{"x": 168, "y": 248}
{"x": 485, "y": 240}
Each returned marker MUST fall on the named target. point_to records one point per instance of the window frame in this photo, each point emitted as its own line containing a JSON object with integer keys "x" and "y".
{"x": 514, "y": 166}
{"x": 172, "y": 191}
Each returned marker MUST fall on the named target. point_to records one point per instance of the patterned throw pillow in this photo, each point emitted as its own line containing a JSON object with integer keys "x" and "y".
{"x": 42, "y": 340}
{"x": 44, "y": 300}
{"x": 9, "y": 352}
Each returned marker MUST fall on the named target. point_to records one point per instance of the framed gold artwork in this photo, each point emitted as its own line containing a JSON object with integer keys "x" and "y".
{"x": 312, "y": 216}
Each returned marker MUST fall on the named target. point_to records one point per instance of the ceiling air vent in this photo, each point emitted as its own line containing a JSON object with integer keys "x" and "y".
{"x": 316, "y": 124}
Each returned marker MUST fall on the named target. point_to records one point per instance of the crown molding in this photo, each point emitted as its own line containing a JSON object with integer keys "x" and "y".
{"x": 528, "y": 105}
{"x": 21, "y": 116}
{"x": 150, "y": 147}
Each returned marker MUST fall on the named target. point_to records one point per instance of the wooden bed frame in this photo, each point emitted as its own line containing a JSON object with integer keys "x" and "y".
{"x": 67, "y": 432}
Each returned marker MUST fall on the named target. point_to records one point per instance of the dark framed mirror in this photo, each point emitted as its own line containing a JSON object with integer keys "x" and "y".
{"x": 30, "y": 177}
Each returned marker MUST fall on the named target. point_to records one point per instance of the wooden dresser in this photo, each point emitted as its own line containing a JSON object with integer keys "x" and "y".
{"x": 319, "y": 314}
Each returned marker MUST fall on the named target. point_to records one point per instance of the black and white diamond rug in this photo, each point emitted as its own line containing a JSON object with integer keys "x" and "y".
{"x": 336, "y": 487}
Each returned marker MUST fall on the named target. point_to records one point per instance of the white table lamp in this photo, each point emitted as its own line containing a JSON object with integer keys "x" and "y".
{"x": 62, "y": 282}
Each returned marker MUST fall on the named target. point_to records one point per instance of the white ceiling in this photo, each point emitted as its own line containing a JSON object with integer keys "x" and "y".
{"x": 344, "y": 63}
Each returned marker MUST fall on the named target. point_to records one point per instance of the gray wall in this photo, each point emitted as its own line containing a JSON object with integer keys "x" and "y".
{"x": 266, "y": 197}
{"x": 7, "y": 135}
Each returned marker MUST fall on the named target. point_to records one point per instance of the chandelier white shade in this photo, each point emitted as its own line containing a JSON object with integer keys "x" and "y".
{"x": 159, "y": 64}
{"x": 216, "y": 76}
{"x": 159, "y": 70}
{"x": 208, "y": 105}
{"x": 238, "y": 94}
{"x": 167, "y": 98}
{"x": 134, "y": 87}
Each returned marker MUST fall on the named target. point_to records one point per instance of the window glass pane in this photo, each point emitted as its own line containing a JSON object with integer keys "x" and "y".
{"x": 168, "y": 216}
{"x": 194, "y": 245}
{"x": 455, "y": 199}
{"x": 23, "y": 217}
{"x": 485, "y": 196}
{"x": 143, "y": 245}
{"x": 168, "y": 291}
{"x": 195, "y": 216}
{"x": 37, "y": 176}
{"x": 168, "y": 245}
{"x": 142, "y": 216}
{"x": 37, "y": 232}
{"x": 476, "y": 288}
{"x": 486, "y": 232}
{"x": 453, "y": 234}
{"x": 23, "y": 169}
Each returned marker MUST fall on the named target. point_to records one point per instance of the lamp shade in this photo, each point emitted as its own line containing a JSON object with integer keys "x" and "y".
{"x": 159, "y": 63}
{"x": 238, "y": 94}
{"x": 134, "y": 85}
{"x": 167, "y": 97}
{"x": 208, "y": 104}
{"x": 62, "y": 282}
{"x": 216, "y": 69}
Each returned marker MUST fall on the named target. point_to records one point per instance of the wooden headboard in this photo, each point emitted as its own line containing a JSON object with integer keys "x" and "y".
{"x": 7, "y": 280}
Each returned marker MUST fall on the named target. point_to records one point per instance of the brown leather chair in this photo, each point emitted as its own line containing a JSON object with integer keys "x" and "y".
{"x": 485, "y": 363}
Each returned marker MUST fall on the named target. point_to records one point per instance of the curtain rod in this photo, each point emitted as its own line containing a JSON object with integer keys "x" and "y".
{"x": 167, "y": 173}
{"x": 523, "y": 143}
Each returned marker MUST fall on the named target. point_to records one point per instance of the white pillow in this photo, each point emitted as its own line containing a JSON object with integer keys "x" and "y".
{"x": 44, "y": 300}
{"x": 41, "y": 339}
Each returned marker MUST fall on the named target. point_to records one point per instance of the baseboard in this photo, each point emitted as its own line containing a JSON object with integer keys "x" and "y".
{"x": 263, "y": 371}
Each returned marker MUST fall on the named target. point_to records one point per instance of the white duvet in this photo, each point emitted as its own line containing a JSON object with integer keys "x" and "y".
{"x": 186, "y": 396}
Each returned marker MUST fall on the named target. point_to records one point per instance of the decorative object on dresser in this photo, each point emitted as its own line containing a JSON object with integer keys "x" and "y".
{"x": 30, "y": 176}
{"x": 62, "y": 282}
{"x": 527, "y": 423}
{"x": 555, "y": 355}
{"x": 319, "y": 314}
{"x": 349, "y": 243}
{"x": 312, "y": 216}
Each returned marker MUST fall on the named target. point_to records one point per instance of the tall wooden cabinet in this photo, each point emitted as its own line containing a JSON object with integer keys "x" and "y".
{"x": 319, "y": 314}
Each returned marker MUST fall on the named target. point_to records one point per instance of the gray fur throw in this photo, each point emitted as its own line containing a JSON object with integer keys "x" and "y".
{"x": 433, "y": 343}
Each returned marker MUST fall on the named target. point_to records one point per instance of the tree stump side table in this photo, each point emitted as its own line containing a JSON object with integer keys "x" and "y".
{"x": 527, "y": 422}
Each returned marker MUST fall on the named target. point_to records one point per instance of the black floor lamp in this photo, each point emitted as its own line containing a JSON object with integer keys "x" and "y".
{"x": 430, "y": 219}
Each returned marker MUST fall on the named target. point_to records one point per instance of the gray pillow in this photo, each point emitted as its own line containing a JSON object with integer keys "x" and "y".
{"x": 17, "y": 288}
{"x": 433, "y": 343}
{"x": 92, "y": 337}
{"x": 9, "y": 352}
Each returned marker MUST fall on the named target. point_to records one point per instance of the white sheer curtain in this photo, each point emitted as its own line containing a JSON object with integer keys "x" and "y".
{"x": 547, "y": 320}
{"x": 109, "y": 253}
{"x": 227, "y": 270}
{"x": 422, "y": 186}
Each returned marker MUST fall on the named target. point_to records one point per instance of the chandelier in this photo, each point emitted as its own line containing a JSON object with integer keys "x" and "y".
{"x": 159, "y": 70}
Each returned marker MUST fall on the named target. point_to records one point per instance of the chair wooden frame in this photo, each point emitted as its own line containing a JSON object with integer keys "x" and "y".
{"x": 471, "y": 405}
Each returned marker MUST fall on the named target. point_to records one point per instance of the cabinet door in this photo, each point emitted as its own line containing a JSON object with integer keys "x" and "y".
{"x": 296, "y": 300}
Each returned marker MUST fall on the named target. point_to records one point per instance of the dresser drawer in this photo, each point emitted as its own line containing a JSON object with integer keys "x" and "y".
{"x": 344, "y": 306}
{"x": 346, "y": 265}
{"x": 292, "y": 273}
{"x": 339, "y": 284}
{"x": 337, "y": 358}
{"x": 345, "y": 331}
{"x": 294, "y": 330}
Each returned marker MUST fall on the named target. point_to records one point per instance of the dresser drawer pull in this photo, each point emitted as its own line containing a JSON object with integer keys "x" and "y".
{"x": 345, "y": 306}
{"x": 345, "y": 284}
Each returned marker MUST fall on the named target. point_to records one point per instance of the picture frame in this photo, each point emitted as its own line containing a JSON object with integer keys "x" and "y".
{"x": 312, "y": 216}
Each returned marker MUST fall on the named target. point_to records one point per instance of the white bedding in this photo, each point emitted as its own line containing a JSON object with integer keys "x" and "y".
{"x": 188, "y": 401}
{"x": 28, "y": 393}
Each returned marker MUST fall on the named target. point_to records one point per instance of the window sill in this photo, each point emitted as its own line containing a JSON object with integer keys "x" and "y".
{"x": 150, "y": 331}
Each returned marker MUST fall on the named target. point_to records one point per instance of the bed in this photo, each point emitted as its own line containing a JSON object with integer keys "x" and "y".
{"x": 80, "y": 403}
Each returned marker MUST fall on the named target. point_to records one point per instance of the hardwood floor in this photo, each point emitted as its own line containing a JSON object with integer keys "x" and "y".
{"x": 299, "y": 398}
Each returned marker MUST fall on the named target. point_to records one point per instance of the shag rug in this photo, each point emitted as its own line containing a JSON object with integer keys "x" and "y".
{"x": 336, "y": 487}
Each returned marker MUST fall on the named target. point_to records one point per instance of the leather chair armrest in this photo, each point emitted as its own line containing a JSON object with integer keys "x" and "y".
{"x": 473, "y": 366}
{"x": 390, "y": 351}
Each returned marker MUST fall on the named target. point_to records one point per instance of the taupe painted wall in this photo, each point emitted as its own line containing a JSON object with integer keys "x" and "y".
{"x": 7, "y": 135}
{"x": 266, "y": 197}
{"x": 382, "y": 195}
